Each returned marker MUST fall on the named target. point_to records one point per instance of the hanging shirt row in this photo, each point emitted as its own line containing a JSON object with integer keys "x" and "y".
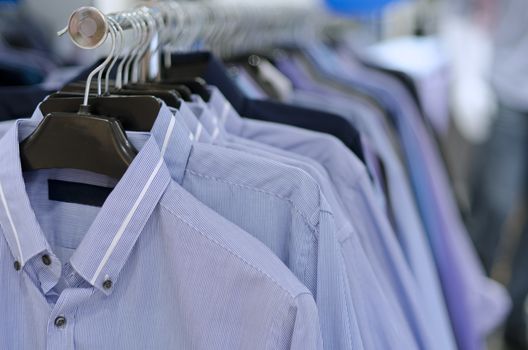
{"x": 221, "y": 218}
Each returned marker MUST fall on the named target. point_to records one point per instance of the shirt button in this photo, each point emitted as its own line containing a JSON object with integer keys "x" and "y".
{"x": 17, "y": 265}
{"x": 46, "y": 259}
{"x": 60, "y": 322}
{"x": 107, "y": 284}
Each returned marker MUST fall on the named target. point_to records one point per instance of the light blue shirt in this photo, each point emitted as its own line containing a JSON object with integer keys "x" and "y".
{"x": 476, "y": 304}
{"x": 153, "y": 268}
{"x": 280, "y": 205}
{"x": 378, "y": 314}
{"x": 376, "y": 321}
{"x": 411, "y": 234}
{"x": 353, "y": 185}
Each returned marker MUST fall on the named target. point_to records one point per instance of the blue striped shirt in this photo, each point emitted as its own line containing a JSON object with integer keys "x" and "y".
{"x": 410, "y": 231}
{"x": 476, "y": 304}
{"x": 377, "y": 316}
{"x": 354, "y": 187}
{"x": 153, "y": 268}
{"x": 280, "y": 205}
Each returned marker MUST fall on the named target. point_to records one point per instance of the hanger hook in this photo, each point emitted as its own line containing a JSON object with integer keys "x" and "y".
{"x": 176, "y": 19}
{"x": 135, "y": 30}
{"x": 193, "y": 24}
{"x": 151, "y": 32}
{"x": 141, "y": 37}
{"x": 158, "y": 15}
{"x": 161, "y": 20}
{"x": 99, "y": 68}
{"x": 118, "y": 53}
{"x": 112, "y": 27}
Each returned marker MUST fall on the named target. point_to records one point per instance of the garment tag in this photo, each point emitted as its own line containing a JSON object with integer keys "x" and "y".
{"x": 78, "y": 193}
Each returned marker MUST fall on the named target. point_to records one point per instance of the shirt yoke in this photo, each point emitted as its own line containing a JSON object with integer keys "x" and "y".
{"x": 223, "y": 234}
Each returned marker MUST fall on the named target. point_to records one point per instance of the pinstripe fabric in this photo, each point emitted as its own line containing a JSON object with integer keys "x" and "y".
{"x": 283, "y": 207}
{"x": 476, "y": 304}
{"x": 319, "y": 269}
{"x": 411, "y": 233}
{"x": 355, "y": 190}
{"x": 209, "y": 120}
{"x": 367, "y": 294}
{"x": 345, "y": 232}
{"x": 183, "y": 277}
{"x": 280, "y": 205}
{"x": 353, "y": 183}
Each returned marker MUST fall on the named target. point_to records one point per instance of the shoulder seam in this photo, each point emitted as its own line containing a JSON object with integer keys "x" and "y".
{"x": 299, "y": 211}
{"x": 191, "y": 226}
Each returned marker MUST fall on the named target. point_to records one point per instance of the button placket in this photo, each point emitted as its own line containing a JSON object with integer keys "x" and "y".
{"x": 60, "y": 332}
{"x": 48, "y": 271}
{"x": 61, "y": 323}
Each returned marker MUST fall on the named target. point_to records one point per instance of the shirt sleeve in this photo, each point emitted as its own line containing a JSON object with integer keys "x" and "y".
{"x": 299, "y": 329}
{"x": 306, "y": 331}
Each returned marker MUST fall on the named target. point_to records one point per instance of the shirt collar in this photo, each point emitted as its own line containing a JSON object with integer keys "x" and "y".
{"x": 228, "y": 117}
{"x": 111, "y": 237}
{"x": 191, "y": 119}
{"x": 180, "y": 143}
{"x": 37, "y": 115}
{"x": 215, "y": 131}
{"x": 17, "y": 219}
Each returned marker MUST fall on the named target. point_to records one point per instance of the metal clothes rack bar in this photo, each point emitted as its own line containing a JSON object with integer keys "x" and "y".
{"x": 225, "y": 29}
{"x": 181, "y": 24}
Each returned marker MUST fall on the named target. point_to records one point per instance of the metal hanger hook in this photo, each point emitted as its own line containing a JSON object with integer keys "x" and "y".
{"x": 135, "y": 30}
{"x": 111, "y": 26}
{"x": 99, "y": 68}
{"x": 141, "y": 38}
{"x": 118, "y": 53}
{"x": 151, "y": 30}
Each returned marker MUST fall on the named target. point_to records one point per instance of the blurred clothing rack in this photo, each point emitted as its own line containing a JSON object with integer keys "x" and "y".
{"x": 215, "y": 26}
{"x": 224, "y": 29}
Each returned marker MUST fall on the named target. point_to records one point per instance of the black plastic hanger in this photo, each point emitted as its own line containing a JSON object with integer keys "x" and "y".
{"x": 89, "y": 136}
{"x": 196, "y": 85}
{"x": 183, "y": 91}
{"x": 185, "y": 88}
{"x": 91, "y": 139}
{"x": 171, "y": 97}
{"x": 77, "y": 135}
{"x": 209, "y": 68}
{"x": 71, "y": 141}
{"x": 135, "y": 113}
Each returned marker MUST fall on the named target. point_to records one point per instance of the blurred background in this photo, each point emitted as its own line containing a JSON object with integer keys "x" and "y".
{"x": 466, "y": 62}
